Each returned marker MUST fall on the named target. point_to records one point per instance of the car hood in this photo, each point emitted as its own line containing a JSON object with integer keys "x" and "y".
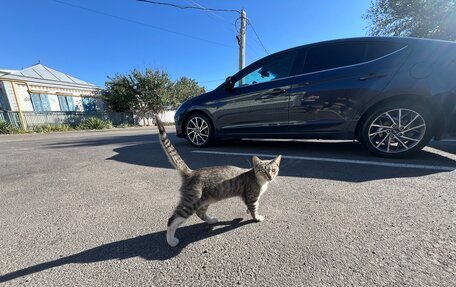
{"x": 198, "y": 100}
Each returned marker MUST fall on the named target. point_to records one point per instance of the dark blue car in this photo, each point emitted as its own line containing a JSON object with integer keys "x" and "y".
{"x": 391, "y": 94}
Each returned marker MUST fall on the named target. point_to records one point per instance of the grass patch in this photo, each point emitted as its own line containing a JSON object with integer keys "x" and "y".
{"x": 52, "y": 128}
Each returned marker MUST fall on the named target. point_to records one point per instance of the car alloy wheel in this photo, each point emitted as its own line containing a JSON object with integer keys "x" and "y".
{"x": 198, "y": 130}
{"x": 397, "y": 131}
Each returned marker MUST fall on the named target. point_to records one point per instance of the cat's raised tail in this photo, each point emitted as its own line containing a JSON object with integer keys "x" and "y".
{"x": 169, "y": 149}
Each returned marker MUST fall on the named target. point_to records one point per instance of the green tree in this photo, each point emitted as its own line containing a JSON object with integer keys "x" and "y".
{"x": 119, "y": 94}
{"x": 152, "y": 91}
{"x": 149, "y": 92}
{"x": 142, "y": 92}
{"x": 413, "y": 18}
{"x": 183, "y": 89}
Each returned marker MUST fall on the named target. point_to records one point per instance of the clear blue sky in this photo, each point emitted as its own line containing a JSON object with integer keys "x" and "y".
{"x": 91, "y": 45}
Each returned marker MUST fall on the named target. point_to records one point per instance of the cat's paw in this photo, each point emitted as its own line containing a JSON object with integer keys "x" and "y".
{"x": 173, "y": 242}
{"x": 259, "y": 218}
{"x": 211, "y": 220}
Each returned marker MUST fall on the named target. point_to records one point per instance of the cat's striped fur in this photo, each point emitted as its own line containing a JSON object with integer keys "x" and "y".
{"x": 204, "y": 186}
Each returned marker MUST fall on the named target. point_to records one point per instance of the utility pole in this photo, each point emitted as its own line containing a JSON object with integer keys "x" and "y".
{"x": 241, "y": 39}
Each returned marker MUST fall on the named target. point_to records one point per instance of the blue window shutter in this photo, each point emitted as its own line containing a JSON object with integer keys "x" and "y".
{"x": 45, "y": 102}
{"x": 63, "y": 103}
{"x": 3, "y": 102}
{"x": 85, "y": 104}
{"x": 36, "y": 103}
{"x": 70, "y": 103}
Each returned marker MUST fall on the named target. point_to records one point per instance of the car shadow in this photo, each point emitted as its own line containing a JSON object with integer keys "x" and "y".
{"x": 444, "y": 146}
{"x": 145, "y": 150}
{"x": 150, "y": 247}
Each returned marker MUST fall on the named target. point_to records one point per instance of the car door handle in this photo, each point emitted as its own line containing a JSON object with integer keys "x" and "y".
{"x": 272, "y": 94}
{"x": 278, "y": 91}
{"x": 371, "y": 76}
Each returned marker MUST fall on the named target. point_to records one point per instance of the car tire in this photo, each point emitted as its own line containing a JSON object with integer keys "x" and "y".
{"x": 198, "y": 130}
{"x": 396, "y": 129}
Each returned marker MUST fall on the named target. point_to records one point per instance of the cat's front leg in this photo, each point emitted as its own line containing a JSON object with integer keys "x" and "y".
{"x": 253, "y": 209}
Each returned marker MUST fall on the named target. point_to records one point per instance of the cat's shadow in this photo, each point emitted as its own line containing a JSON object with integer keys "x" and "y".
{"x": 150, "y": 247}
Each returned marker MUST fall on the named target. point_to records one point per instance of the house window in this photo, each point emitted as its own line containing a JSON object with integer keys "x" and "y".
{"x": 40, "y": 102}
{"x": 3, "y": 106}
{"x": 66, "y": 103}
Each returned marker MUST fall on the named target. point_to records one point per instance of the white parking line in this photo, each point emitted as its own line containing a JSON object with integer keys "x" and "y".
{"x": 338, "y": 160}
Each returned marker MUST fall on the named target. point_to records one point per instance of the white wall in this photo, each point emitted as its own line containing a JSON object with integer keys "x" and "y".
{"x": 23, "y": 97}
{"x": 167, "y": 117}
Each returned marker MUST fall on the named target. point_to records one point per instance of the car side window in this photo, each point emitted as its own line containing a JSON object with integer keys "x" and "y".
{"x": 376, "y": 50}
{"x": 276, "y": 68}
{"x": 334, "y": 56}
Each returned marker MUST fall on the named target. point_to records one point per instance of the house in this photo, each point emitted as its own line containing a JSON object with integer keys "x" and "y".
{"x": 39, "y": 89}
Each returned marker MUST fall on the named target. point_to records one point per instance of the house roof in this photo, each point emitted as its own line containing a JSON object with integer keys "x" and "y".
{"x": 40, "y": 73}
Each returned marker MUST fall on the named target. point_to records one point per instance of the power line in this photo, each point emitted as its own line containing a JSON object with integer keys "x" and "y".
{"x": 142, "y": 23}
{"x": 205, "y": 9}
{"x": 189, "y": 7}
{"x": 258, "y": 37}
{"x": 220, "y": 18}
{"x": 197, "y": 7}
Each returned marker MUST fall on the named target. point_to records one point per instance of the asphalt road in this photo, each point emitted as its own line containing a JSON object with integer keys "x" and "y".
{"x": 90, "y": 209}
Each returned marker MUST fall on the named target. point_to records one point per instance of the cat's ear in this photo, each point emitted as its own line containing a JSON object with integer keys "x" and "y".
{"x": 277, "y": 160}
{"x": 255, "y": 160}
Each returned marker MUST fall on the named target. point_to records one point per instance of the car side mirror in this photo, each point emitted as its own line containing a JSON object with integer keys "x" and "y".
{"x": 229, "y": 84}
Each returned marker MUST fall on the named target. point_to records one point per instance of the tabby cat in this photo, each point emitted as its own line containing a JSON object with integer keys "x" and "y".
{"x": 204, "y": 186}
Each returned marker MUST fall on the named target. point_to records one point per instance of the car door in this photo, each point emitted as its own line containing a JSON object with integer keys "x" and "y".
{"x": 337, "y": 79}
{"x": 258, "y": 103}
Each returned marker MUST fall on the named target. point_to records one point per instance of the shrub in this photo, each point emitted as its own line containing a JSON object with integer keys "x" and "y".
{"x": 94, "y": 124}
{"x": 7, "y": 128}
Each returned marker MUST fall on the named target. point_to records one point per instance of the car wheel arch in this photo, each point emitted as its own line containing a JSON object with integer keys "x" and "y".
{"x": 201, "y": 112}
{"x": 416, "y": 99}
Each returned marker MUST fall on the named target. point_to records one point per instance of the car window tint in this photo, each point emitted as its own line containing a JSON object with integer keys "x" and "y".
{"x": 379, "y": 49}
{"x": 276, "y": 68}
{"x": 334, "y": 56}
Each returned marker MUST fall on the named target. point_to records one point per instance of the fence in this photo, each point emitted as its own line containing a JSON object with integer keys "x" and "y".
{"x": 33, "y": 119}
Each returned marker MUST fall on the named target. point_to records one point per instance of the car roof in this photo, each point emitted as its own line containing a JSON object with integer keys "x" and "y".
{"x": 407, "y": 40}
